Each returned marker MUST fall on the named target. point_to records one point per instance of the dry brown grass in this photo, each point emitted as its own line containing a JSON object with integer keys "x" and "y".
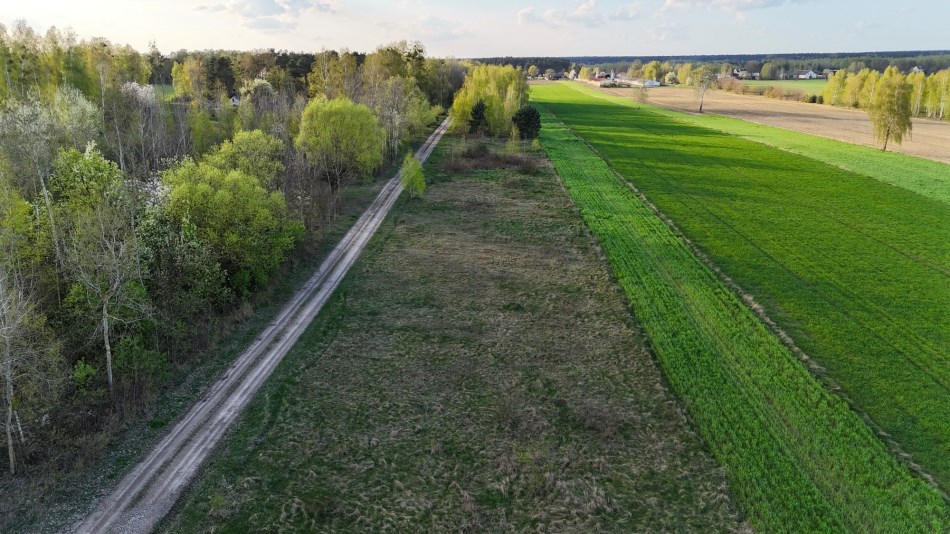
{"x": 478, "y": 372}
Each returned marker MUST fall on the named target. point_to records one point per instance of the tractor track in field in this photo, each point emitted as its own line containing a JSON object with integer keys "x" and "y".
{"x": 142, "y": 498}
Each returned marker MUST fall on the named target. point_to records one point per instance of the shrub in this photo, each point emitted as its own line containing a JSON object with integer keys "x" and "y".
{"x": 528, "y": 121}
{"x": 478, "y": 123}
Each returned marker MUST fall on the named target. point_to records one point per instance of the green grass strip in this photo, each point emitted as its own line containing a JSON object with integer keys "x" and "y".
{"x": 925, "y": 177}
{"x": 798, "y": 459}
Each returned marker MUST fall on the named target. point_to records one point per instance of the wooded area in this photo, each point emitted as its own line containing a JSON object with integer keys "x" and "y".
{"x": 144, "y": 198}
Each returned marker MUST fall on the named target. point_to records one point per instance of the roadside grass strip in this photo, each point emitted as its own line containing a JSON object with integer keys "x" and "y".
{"x": 925, "y": 177}
{"x": 855, "y": 271}
{"x": 799, "y": 460}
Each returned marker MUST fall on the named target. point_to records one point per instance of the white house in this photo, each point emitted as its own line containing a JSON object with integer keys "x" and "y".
{"x": 805, "y": 75}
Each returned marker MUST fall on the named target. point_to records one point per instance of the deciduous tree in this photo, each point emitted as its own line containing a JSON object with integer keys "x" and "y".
{"x": 342, "y": 139}
{"x": 889, "y": 108}
{"x": 101, "y": 248}
{"x": 412, "y": 177}
{"x": 703, "y": 78}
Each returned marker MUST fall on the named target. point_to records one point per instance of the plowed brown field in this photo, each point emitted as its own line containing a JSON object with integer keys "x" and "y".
{"x": 930, "y": 139}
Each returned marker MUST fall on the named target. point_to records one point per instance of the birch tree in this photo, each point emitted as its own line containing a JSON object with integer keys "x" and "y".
{"x": 29, "y": 356}
{"x": 703, "y": 78}
{"x": 102, "y": 254}
{"x": 889, "y": 108}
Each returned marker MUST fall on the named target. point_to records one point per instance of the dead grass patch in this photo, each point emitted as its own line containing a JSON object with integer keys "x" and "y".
{"x": 482, "y": 374}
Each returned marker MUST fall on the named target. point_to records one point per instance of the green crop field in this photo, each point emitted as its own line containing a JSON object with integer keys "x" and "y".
{"x": 798, "y": 458}
{"x": 856, "y": 271}
{"x": 928, "y": 178}
{"x": 808, "y": 87}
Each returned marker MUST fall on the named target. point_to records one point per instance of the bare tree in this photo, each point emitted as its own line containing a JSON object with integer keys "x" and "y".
{"x": 28, "y": 140}
{"x": 14, "y": 309}
{"x": 28, "y": 351}
{"x": 103, "y": 260}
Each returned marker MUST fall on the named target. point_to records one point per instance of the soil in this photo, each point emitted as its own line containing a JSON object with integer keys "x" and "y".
{"x": 930, "y": 139}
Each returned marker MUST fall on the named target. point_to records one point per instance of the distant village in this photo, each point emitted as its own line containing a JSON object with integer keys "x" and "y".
{"x": 601, "y": 78}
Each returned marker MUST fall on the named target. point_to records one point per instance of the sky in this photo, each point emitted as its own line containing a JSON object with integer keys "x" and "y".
{"x": 480, "y": 28}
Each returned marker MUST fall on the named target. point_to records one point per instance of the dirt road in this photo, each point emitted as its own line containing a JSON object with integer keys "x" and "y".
{"x": 149, "y": 490}
{"x": 930, "y": 139}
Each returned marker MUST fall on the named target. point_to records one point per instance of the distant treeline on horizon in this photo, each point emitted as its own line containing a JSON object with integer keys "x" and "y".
{"x": 929, "y": 60}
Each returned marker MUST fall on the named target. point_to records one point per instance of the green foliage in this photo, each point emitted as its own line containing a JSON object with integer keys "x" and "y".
{"x": 254, "y": 153}
{"x": 528, "y": 121}
{"x": 248, "y": 228}
{"x": 84, "y": 375}
{"x": 341, "y": 138}
{"x": 478, "y": 123}
{"x": 204, "y": 132}
{"x": 141, "y": 366}
{"x": 502, "y": 90}
{"x": 185, "y": 281}
{"x": 24, "y": 241}
{"x": 412, "y": 177}
{"x": 798, "y": 458}
{"x": 889, "y": 107}
{"x": 83, "y": 178}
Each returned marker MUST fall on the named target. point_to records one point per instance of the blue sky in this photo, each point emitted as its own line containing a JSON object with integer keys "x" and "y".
{"x": 495, "y": 27}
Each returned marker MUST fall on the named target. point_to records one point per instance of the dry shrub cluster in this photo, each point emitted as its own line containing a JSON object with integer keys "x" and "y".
{"x": 481, "y": 155}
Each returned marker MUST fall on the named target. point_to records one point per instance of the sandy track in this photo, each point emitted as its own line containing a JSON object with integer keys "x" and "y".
{"x": 930, "y": 139}
{"x": 149, "y": 490}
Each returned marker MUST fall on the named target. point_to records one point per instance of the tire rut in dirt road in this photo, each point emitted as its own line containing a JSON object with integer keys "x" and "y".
{"x": 143, "y": 497}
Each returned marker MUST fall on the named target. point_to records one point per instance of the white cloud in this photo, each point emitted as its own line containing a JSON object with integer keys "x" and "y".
{"x": 430, "y": 29}
{"x": 274, "y": 15}
{"x": 586, "y": 13}
{"x": 629, "y": 11}
{"x": 724, "y": 5}
{"x": 528, "y": 16}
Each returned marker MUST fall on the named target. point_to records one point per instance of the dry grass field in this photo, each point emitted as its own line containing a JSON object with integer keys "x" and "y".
{"x": 930, "y": 139}
{"x": 478, "y": 371}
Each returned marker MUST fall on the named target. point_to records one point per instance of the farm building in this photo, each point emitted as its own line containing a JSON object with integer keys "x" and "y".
{"x": 805, "y": 75}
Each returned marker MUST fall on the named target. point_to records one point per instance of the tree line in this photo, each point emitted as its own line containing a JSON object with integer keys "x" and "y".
{"x": 136, "y": 220}
{"x": 926, "y": 95}
{"x": 929, "y": 60}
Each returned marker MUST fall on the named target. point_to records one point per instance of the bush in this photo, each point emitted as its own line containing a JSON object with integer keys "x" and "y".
{"x": 479, "y": 122}
{"x": 528, "y": 121}
{"x": 412, "y": 177}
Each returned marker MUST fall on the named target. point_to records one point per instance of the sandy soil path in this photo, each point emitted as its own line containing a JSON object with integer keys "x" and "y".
{"x": 143, "y": 497}
{"x": 930, "y": 139}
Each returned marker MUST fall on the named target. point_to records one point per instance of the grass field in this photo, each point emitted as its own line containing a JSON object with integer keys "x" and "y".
{"x": 798, "y": 458}
{"x": 476, "y": 372}
{"x": 808, "y": 87}
{"x": 854, "y": 270}
{"x": 925, "y": 177}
